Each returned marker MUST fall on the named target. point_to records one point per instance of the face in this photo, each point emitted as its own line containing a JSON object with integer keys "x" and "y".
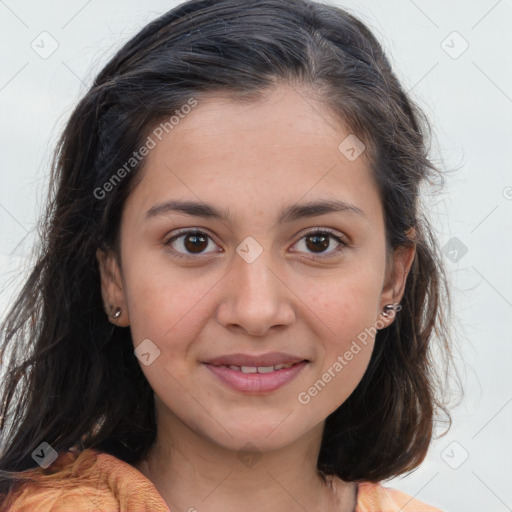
{"x": 270, "y": 274}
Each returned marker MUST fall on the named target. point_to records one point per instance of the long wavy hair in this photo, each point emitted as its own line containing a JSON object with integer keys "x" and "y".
{"x": 71, "y": 375}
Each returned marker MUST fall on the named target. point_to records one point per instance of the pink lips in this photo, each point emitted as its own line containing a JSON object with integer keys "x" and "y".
{"x": 256, "y": 382}
{"x": 268, "y": 359}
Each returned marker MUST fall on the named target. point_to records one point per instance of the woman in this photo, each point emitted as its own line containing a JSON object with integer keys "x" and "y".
{"x": 234, "y": 302}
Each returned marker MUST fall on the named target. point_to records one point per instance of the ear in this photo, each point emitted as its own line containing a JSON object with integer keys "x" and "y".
{"x": 394, "y": 285}
{"x": 112, "y": 289}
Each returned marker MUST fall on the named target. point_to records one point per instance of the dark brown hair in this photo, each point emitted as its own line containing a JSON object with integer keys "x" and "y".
{"x": 72, "y": 375}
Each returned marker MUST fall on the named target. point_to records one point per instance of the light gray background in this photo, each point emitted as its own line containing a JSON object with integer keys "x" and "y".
{"x": 467, "y": 96}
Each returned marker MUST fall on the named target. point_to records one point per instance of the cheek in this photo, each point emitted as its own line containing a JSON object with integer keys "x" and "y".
{"x": 164, "y": 302}
{"x": 169, "y": 310}
{"x": 349, "y": 302}
{"x": 348, "y": 311}
{"x": 343, "y": 358}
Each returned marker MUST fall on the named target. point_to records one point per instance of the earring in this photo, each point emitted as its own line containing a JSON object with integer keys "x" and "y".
{"x": 390, "y": 307}
{"x": 117, "y": 313}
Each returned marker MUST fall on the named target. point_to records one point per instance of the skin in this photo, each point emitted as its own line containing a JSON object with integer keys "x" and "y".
{"x": 253, "y": 158}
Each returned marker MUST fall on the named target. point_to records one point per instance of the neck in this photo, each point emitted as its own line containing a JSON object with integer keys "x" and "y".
{"x": 193, "y": 473}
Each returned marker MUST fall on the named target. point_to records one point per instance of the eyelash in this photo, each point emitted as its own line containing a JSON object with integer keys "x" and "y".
{"x": 318, "y": 231}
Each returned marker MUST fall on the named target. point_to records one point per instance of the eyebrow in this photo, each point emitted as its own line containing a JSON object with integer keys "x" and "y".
{"x": 288, "y": 214}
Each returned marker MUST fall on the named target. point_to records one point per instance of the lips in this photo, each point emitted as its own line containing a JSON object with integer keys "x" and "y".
{"x": 252, "y": 380}
{"x": 263, "y": 361}
{"x": 262, "y": 373}
{"x": 258, "y": 369}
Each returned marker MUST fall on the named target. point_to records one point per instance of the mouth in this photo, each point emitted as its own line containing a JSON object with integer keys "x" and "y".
{"x": 256, "y": 379}
{"x": 260, "y": 369}
{"x": 270, "y": 361}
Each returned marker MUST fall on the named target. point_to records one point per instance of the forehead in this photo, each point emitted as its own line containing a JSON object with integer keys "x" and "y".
{"x": 282, "y": 117}
{"x": 282, "y": 147}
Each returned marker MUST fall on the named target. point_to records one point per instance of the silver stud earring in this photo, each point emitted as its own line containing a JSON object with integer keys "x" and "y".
{"x": 390, "y": 307}
{"x": 117, "y": 312}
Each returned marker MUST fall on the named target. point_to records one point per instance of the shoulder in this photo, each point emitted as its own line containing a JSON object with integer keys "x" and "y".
{"x": 373, "y": 497}
{"x": 89, "y": 480}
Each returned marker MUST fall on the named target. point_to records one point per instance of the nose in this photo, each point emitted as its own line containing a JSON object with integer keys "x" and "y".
{"x": 256, "y": 298}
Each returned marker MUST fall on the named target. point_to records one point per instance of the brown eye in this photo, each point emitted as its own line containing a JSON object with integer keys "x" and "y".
{"x": 319, "y": 242}
{"x": 189, "y": 243}
{"x": 195, "y": 243}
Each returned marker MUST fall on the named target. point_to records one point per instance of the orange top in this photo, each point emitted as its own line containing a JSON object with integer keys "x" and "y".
{"x": 96, "y": 481}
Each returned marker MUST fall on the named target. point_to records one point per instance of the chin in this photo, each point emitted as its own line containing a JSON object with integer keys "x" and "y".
{"x": 256, "y": 443}
{"x": 251, "y": 435}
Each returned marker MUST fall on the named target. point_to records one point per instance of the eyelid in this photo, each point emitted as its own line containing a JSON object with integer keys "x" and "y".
{"x": 340, "y": 237}
{"x": 334, "y": 232}
{"x": 188, "y": 231}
